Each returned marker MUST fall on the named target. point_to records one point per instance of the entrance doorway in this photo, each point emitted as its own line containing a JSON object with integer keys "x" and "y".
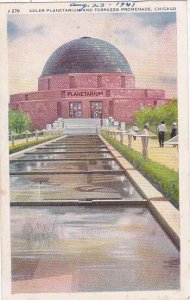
{"x": 96, "y": 109}
{"x": 75, "y": 110}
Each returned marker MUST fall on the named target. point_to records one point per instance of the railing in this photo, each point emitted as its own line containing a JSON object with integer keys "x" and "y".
{"x": 35, "y": 135}
{"x": 143, "y": 134}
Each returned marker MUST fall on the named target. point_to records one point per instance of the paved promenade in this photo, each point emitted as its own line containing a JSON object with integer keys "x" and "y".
{"x": 167, "y": 156}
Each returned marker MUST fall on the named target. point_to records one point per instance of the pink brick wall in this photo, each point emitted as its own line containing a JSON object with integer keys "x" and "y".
{"x": 156, "y": 93}
{"x": 17, "y": 97}
{"x": 129, "y": 93}
{"x": 14, "y": 106}
{"x": 138, "y": 93}
{"x": 109, "y": 80}
{"x": 120, "y": 103}
{"x": 44, "y": 95}
{"x": 163, "y": 101}
{"x": 43, "y": 112}
{"x": 32, "y": 96}
{"x": 43, "y": 83}
{"x": 85, "y": 80}
{"x": 40, "y": 112}
{"x": 124, "y": 110}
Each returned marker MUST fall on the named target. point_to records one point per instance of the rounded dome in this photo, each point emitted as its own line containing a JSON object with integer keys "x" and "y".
{"x": 86, "y": 55}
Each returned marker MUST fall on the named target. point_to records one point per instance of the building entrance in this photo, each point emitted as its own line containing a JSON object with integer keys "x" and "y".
{"x": 75, "y": 110}
{"x": 96, "y": 109}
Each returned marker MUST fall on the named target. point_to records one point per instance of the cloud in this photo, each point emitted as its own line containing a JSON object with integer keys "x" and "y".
{"x": 12, "y": 30}
{"x": 39, "y": 29}
{"x": 16, "y": 29}
{"x": 157, "y": 20}
{"x": 154, "y": 19}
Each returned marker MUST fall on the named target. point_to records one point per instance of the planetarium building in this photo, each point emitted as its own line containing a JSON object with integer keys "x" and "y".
{"x": 85, "y": 78}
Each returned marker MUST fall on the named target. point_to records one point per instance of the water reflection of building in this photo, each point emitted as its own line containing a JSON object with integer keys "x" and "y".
{"x": 85, "y": 78}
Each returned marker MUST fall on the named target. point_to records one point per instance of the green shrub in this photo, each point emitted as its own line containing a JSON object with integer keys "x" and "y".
{"x": 19, "y": 121}
{"x": 154, "y": 115}
{"x": 163, "y": 178}
{"x": 19, "y": 147}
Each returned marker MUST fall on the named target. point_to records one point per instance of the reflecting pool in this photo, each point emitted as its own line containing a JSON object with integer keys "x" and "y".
{"x": 83, "y": 249}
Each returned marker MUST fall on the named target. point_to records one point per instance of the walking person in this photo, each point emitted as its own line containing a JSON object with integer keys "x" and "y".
{"x": 161, "y": 129}
{"x": 173, "y": 130}
{"x": 135, "y": 129}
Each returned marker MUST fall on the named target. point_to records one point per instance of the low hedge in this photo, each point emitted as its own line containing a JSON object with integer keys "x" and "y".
{"x": 163, "y": 178}
{"x": 19, "y": 147}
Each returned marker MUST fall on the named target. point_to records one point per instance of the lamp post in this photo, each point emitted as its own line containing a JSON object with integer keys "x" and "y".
{"x": 101, "y": 120}
{"x": 130, "y": 133}
{"x": 12, "y": 138}
{"x": 145, "y": 146}
{"x": 44, "y": 131}
{"x": 121, "y": 137}
{"x": 37, "y": 133}
{"x": 27, "y": 132}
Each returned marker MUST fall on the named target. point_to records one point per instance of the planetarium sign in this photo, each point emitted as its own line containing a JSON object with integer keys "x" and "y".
{"x": 83, "y": 93}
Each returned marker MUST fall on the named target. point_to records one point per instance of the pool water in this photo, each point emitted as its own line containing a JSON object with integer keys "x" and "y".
{"x": 71, "y": 186}
{"x": 91, "y": 249}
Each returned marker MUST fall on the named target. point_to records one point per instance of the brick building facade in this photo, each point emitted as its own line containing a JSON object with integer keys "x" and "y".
{"x": 85, "y": 78}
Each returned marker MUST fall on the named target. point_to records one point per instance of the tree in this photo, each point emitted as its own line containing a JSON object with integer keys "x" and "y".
{"x": 19, "y": 121}
{"x": 155, "y": 115}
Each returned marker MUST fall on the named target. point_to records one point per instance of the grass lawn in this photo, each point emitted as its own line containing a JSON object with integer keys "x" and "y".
{"x": 19, "y": 147}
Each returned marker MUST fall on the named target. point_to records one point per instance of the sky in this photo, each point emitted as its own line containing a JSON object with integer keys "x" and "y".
{"x": 147, "y": 40}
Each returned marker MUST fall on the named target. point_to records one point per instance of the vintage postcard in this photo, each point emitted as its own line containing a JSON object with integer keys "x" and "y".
{"x": 94, "y": 154}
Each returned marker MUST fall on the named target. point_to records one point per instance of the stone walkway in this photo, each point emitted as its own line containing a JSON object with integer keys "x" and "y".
{"x": 167, "y": 156}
